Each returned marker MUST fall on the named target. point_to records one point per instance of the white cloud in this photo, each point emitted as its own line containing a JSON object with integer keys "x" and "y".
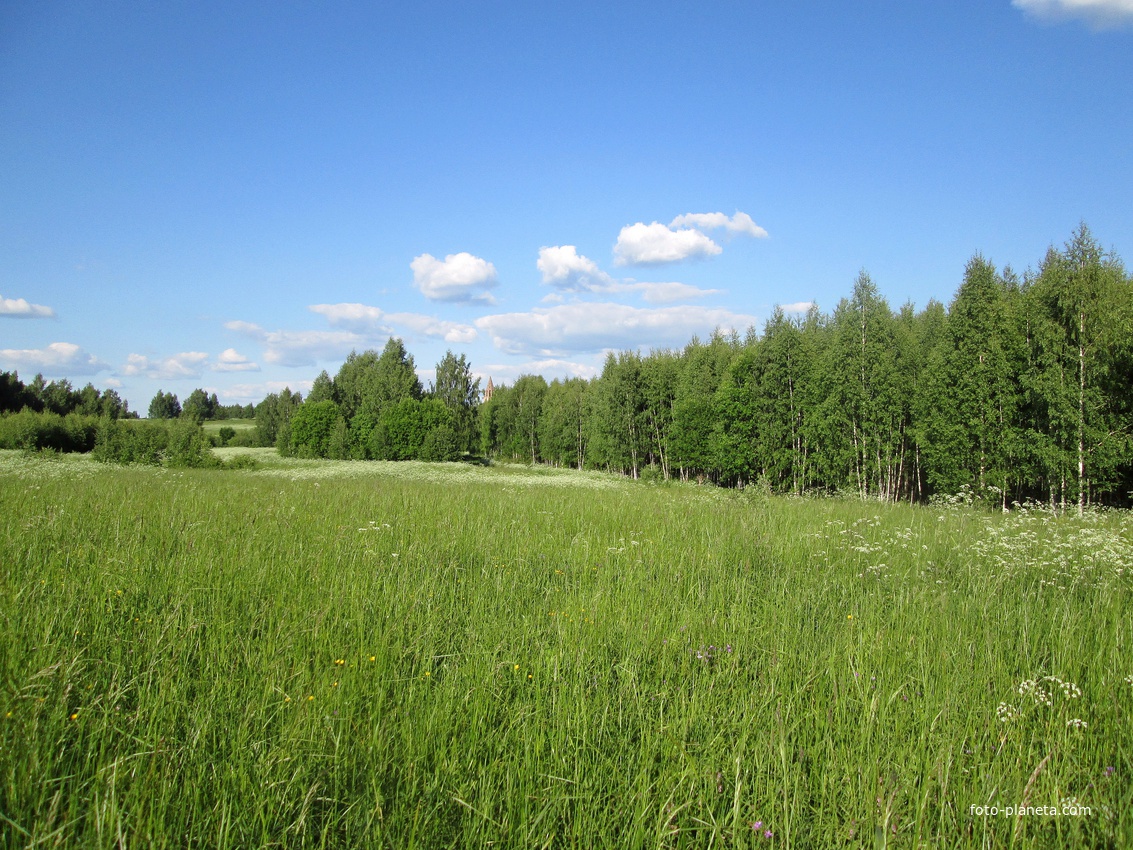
{"x": 59, "y": 359}
{"x": 187, "y": 364}
{"x": 553, "y": 331}
{"x": 682, "y": 238}
{"x": 430, "y": 326}
{"x": 18, "y": 308}
{"x": 255, "y": 393}
{"x": 456, "y": 278}
{"x": 551, "y": 368}
{"x": 797, "y": 307}
{"x": 300, "y": 348}
{"x": 740, "y": 224}
{"x": 567, "y": 270}
{"x": 646, "y": 244}
{"x": 230, "y": 360}
{"x": 1100, "y": 14}
{"x": 563, "y": 267}
{"x": 663, "y": 293}
{"x": 359, "y": 317}
{"x": 365, "y": 319}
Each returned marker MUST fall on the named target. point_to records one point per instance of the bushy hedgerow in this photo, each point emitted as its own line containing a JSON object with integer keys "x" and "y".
{"x": 176, "y": 443}
{"x": 34, "y": 431}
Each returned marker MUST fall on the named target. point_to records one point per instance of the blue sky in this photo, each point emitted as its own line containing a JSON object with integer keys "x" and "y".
{"x": 234, "y": 196}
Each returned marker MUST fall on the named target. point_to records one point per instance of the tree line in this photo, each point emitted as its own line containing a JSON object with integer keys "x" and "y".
{"x": 375, "y": 408}
{"x": 1020, "y": 389}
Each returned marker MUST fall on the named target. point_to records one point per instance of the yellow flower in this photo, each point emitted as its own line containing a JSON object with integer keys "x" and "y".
{"x": 310, "y": 698}
{"x": 516, "y": 666}
{"x": 849, "y": 616}
{"x": 426, "y": 672}
{"x": 75, "y": 716}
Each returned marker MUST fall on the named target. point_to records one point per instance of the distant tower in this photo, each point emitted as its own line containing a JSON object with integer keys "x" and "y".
{"x": 489, "y": 390}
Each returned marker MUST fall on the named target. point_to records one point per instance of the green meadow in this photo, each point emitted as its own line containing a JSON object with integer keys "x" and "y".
{"x": 396, "y": 655}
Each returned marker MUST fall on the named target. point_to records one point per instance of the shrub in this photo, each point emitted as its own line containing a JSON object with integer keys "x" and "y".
{"x": 34, "y": 431}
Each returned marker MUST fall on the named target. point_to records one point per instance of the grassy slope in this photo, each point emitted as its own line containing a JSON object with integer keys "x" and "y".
{"x": 334, "y": 654}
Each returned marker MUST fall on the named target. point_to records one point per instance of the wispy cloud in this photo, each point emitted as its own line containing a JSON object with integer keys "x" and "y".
{"x": 740, "y": 224}
{"x": 366, "y": 319}
{"x": 458, "y": 277}
{"x": 549, "y": 368}
{"x": 59, "y": 359}
{"x": 568, "y": 271}
{"x": 1099, "y": 14}
{"x": 18, "y": 308}
{"x": 554, "y": 331}
{"x": 796, "y": 307}
{"x": 187, "y": 364}
{"x": 245, "y": 393}
{"x": 300, "y": 348}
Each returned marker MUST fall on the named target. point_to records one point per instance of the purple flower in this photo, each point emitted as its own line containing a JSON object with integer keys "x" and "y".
{"x": 768, "y": 834}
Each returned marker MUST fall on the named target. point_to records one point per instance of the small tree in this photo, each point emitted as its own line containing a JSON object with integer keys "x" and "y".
{"x": 164, "y": 406}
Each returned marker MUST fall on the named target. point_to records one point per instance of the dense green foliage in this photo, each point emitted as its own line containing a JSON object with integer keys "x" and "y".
{"x": 375, "y": 408}
{"x": 58, "y": 397}
{"x": 316, "y": 655}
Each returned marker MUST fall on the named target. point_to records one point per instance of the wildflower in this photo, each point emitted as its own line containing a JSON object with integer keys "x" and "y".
{"x": 287, "y": 699}
{"x": 427, "y": 674}
{"x": 75, "y": 716}
{"x": 372, "y": 657}
{"x": 516, "y": 666}
{"x": 310, "y": 697}
{"x": 1006, "y": 712}
{"x": 1109, "y": 771}
{"x": 1076, "y": 723}
{"x": 849, "y": 616}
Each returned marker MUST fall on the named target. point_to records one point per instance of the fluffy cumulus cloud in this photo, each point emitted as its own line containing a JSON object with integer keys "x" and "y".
{"x": 564, "y": 268}
{"x": 555, "y": 331}
{"x": 651, "y": 244}
{"x": 458, "y": 277}
{"x": 18, "y": 308}
{"x": 187, "y": 364}
{"x": 1100, "y": 14}
{"x": 59, "y": 359}
{"x": 683, "y": 238}
{"x": 568, "y": 271}
{"x": 231, "y": 360}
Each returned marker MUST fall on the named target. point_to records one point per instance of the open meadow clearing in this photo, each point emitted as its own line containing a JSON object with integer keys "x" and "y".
{"x": 329, "y": 654}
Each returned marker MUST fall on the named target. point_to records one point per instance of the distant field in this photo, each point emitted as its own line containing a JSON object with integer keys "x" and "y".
{"x": 212, "y": 426}
{"x": 323, "y": 654}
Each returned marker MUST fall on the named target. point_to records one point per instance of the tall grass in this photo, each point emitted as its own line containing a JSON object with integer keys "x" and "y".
{"x": 408, "y": 655}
